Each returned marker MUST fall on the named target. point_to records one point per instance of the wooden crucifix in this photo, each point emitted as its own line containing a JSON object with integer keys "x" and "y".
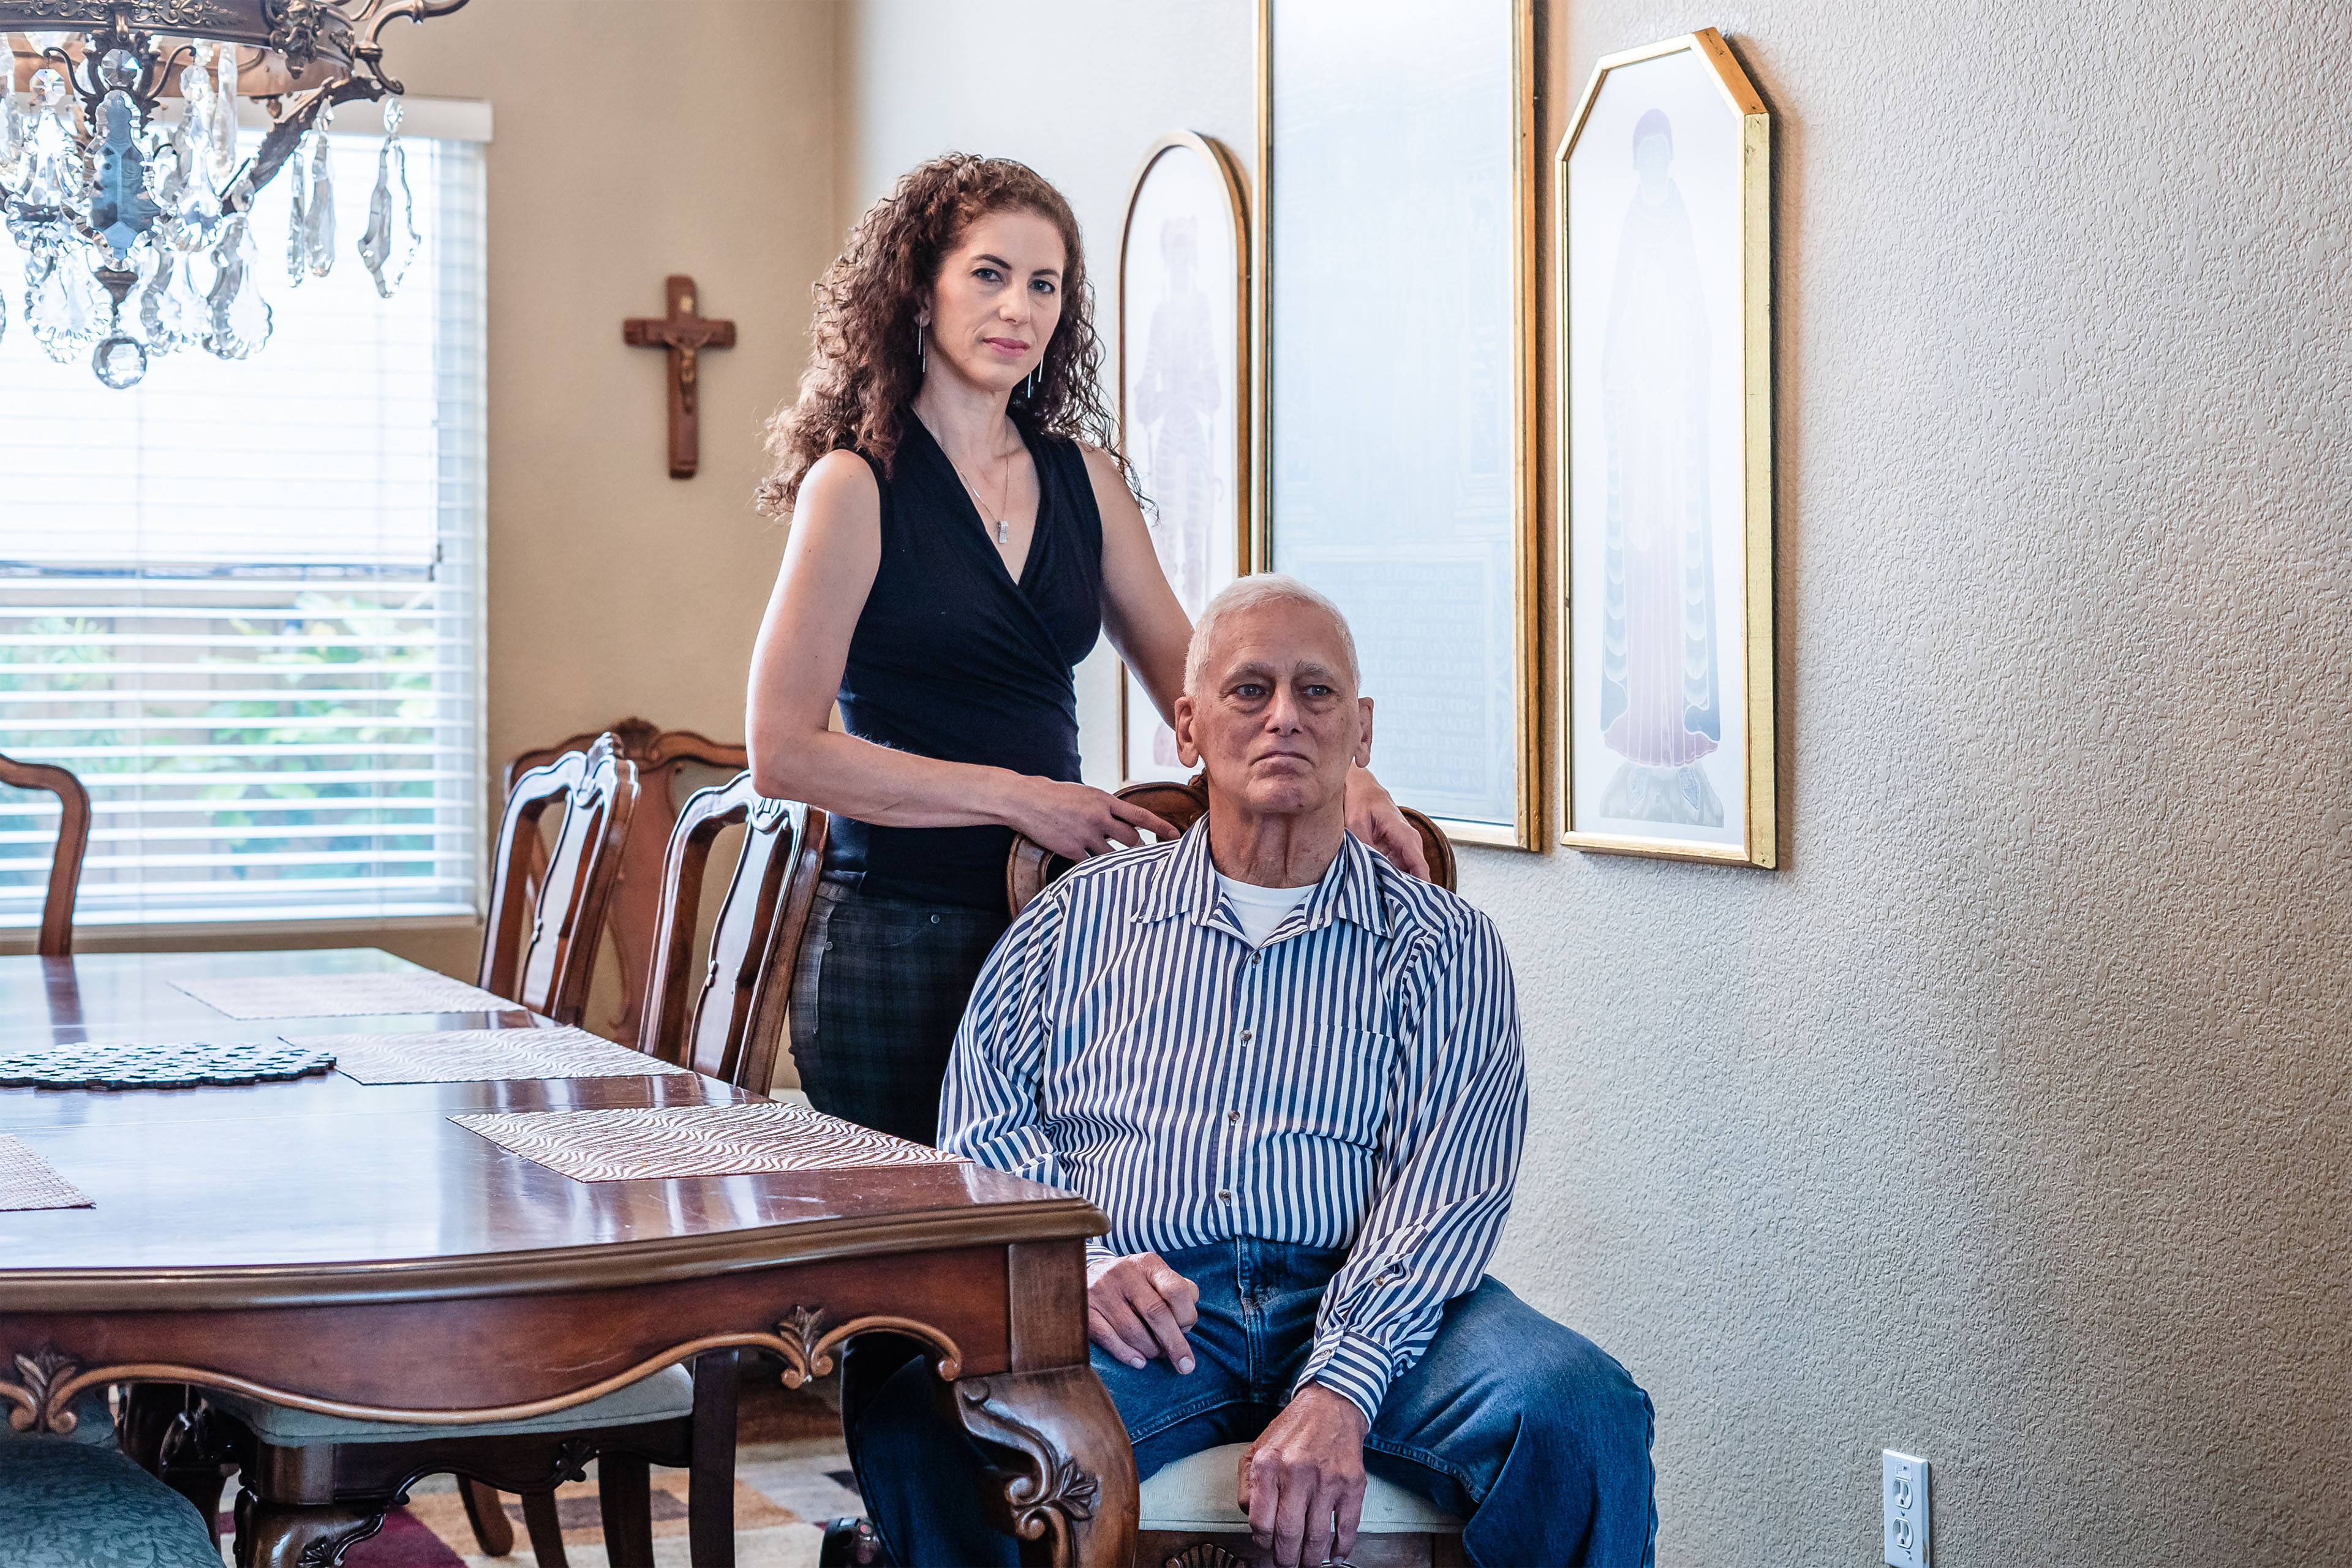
{"x": 685, "y": 334}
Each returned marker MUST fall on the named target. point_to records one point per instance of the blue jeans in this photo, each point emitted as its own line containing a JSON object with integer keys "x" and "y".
{"x": 1524, "y": 1428}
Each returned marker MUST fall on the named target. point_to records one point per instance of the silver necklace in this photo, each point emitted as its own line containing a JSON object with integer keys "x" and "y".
{"x": 1003, "y": 525}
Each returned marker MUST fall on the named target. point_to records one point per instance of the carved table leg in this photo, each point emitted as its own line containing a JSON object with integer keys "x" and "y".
{"x": 285, "y": 1535}
{"x": 1070, "y": 1487}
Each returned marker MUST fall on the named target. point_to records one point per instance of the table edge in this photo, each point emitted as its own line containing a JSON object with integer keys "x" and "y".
{"x": 603, "y": 1265}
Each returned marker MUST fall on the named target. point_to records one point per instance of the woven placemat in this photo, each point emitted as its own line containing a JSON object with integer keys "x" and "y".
{"x": 187, "y": 1064}
{"x": 29, "y": 1182}
{"x": 339, "y": 995}
{"x": 648, "y": 1143}
{"x": 481, "y": 1055}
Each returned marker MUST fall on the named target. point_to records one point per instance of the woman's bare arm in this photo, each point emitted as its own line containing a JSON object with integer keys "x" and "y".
{"x": 830, "y": 561}
{"x": 1140, "y": 615}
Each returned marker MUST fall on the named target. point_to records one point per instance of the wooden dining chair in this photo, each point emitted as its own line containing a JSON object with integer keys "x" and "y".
{"x": 539, "y": 945}
{"x": 722, "y": 1019}
{"x": 79, "y": 1498}
{"x": 65, "y": 861}
{"x": 1032, "y": 867}
{"x": 331, "y": 1480}
{"x": 539, "y": 950}
{"x": 726, "y": 1017}
{"x": 669, "y": 762}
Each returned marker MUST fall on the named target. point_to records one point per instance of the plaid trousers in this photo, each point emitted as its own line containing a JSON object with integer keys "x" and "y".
{"x": 877, "y": 991}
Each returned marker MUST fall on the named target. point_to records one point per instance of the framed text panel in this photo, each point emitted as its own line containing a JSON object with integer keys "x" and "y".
{"x": 1395, "y": 398}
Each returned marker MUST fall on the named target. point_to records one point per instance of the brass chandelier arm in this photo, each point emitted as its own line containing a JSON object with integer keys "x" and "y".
{"x": 44, "y": 1402}
{"x": 367, "y": 29}
{"x": 288, "y": 129}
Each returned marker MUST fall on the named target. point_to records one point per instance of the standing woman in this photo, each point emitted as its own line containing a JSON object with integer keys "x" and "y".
{"x": 960, "y": 535}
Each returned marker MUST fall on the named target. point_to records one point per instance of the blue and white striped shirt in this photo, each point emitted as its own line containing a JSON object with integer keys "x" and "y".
{"x": 1356, "y": 1083}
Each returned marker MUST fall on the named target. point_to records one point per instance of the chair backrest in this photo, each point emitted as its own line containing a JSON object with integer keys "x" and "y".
{"x": 726, "y": 1017}
{"x": 65, "y": 860}
{"x": 1032, "y": 867}
{"x": 539, "y": 948}
{"x": 661, "y": 757}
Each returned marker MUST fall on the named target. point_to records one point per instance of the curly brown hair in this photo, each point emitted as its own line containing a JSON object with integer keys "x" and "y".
{"x": 863, "y": 365}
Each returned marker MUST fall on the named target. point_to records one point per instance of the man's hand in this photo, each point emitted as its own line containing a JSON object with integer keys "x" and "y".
{"x": 1303, "y": 1480}
{"x": 1373, "y": 816}
{"x": 1138, "y": 1307}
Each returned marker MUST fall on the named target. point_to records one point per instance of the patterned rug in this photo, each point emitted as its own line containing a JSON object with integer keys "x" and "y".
{"x": 791, "y": 1476}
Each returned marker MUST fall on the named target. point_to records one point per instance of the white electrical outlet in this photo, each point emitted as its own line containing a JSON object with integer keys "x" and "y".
{"x": 1903, "y": 1496}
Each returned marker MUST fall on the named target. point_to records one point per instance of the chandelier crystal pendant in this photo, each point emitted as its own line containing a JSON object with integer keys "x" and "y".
{"x": 136, "y": 224}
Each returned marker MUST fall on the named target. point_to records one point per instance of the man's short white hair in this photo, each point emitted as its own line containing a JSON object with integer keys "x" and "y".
{"x": 1248, "y": 593}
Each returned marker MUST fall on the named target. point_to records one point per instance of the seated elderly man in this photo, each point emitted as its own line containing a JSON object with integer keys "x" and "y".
{"x": 1290, "y": 1074}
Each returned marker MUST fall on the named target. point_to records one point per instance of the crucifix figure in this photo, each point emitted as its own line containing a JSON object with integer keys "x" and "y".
{"x": 685, "y": 335}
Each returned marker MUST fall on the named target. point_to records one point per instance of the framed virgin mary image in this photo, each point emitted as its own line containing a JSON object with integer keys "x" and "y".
{"x": 1183, "y": 393}
{"x": 1665, "y": 279}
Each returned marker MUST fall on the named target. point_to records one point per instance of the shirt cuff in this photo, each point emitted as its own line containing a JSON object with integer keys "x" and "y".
{"x": 1352, "y": 1367}
{"x": 1098, "y": 1251}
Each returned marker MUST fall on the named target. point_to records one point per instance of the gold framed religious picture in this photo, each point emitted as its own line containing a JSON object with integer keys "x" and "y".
{"x": 1397, "y": 364}
{"x": 1666, "y": 318}
{"x": 1183, "y": 393}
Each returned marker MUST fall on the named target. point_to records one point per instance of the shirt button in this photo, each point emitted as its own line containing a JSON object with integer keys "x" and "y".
{"x": 1232, "y": 1116}
{"x": 1254, "y": 957}
{"x": 935, "y": 919}
{"x": 1223, "y": 1196}
{"x": 1247, "y": 1036}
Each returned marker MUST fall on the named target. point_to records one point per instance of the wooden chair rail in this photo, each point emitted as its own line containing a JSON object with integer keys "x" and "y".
{"x": 65, "y": 862}
{"x": 539, "y": 945}
{"x": 660, "y": 755}
{"x": 721, "y": 1019}
{"x": 1032, "y": 867}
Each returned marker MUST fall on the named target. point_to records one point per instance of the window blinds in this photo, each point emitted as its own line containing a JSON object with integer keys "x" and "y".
{"x": 242, "y": 601}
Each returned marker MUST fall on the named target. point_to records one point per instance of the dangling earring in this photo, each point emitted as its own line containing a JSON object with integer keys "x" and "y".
{"x": 922, "y": 355}
{"x": 1029, "y": 383}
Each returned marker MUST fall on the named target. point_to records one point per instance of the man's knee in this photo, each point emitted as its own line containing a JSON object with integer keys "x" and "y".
{"x": 1587, "y": 1393}
{"x": 1550, "y": 1379}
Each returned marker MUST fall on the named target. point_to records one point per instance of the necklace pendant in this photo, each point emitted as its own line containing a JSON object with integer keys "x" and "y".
{"x": 1003, "y": 530}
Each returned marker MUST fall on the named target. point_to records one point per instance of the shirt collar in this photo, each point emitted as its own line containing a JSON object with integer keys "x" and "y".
{"x": 1186, "y": 884}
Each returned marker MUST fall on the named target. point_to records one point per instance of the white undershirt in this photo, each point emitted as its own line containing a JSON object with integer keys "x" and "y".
{"x": 1260, "y": 909}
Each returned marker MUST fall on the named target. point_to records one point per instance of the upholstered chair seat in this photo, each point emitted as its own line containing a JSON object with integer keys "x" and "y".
{"x": 77, "y": 1502}
{"x": 667, "y": 1393}
{"x": 1193, "y": 1498}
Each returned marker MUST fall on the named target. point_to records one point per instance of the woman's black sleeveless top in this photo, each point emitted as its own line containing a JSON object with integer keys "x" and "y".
{"x": 953, "y": 659}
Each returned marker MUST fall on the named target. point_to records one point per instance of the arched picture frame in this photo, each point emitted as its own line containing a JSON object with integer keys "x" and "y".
{"x": 1666, "y": 403}
{"x": 1183, "y": 392}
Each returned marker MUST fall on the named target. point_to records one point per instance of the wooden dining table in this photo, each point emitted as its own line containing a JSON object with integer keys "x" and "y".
{"x": 346, "y": 1248}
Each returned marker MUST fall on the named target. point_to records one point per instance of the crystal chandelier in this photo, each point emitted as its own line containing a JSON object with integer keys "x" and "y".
{"x": 135, "y": 222}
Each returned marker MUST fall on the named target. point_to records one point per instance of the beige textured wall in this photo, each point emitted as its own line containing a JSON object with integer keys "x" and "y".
{"x": 634, "y": 139}
{"x": 2008, "y": 1123}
